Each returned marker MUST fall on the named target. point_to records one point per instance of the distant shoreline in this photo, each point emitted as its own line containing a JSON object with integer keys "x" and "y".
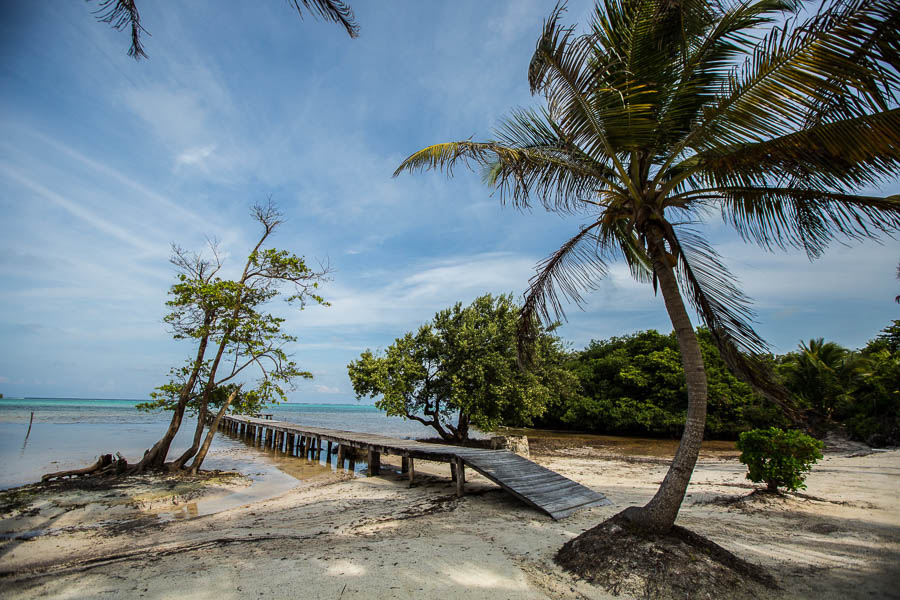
{"x": 147, "y": 400}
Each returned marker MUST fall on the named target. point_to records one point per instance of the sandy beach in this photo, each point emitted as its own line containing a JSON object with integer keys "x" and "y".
{"x": 342, "y": 537}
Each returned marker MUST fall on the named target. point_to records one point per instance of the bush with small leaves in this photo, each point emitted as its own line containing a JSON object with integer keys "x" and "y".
{"x": 779, "y": 458}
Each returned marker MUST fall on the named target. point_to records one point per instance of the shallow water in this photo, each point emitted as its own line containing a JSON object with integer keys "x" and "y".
{"x": 625, "y": 446}
{"x": 70, "y": 433}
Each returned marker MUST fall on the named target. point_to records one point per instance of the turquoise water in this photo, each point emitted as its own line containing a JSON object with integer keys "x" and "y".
{"x": 69, "y": 433}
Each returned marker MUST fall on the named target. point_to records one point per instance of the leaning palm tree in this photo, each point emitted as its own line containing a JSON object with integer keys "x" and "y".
{"x": 665, "y": 113}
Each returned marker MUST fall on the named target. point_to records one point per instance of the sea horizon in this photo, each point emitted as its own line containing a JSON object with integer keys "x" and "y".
{"x": 361, "y": 403}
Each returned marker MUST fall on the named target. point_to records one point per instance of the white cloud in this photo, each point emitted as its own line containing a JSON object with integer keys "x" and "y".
{"x": 4, "y": 379}
{"x": 324, "y": 389}
{"x": 382, "y": 299}
{"x": 195, "y": 156}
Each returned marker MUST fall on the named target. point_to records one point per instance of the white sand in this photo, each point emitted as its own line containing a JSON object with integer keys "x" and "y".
{"x": 376, "y": 538}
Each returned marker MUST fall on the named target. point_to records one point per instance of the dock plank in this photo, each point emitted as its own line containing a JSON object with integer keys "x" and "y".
{"x": 537, "y": 486}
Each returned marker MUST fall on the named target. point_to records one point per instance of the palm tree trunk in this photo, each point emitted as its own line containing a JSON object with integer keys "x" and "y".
{"x": 659, "y": 514}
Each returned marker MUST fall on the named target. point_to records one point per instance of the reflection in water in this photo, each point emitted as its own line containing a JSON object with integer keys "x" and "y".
{"x": 186, "y": 511}
{"x": 272, "y": 472}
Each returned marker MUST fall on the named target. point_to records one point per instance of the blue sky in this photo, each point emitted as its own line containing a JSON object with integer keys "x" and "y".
{"x": 104, "y": 162}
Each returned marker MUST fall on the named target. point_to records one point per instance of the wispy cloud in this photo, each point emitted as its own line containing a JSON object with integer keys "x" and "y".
{"x": 381, "y": 299}
{"x": 324, "y": 389}
{"x": 195, "y": 156}
{"x": 91, "y": 218}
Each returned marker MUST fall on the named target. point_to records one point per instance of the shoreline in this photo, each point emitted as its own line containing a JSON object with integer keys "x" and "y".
{"x": 377, "y": 538}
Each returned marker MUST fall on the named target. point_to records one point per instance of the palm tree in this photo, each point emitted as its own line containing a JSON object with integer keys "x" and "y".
{"x": 120, "y": 14}
{"x": 665, "y": 112}
{"x": 825, "y": 376}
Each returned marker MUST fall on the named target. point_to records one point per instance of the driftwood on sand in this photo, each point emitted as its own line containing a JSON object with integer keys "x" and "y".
{"x": 106, "y": 464}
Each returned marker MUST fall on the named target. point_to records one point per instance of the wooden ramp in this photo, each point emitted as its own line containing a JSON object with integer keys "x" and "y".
{"x": 537, "y": 486}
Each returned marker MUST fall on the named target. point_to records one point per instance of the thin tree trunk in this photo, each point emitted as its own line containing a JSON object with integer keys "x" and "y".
{"x": 214, "y": 366}
{"x": 155, "y": 458}
{"x": 660, "y": 513}
{"x": 201, "y": 455}
{"x": 195, "y": 445}
{"x": 462, "y": 427}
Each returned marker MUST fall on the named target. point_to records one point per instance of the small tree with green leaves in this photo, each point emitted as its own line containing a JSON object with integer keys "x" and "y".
{"x": 234, "y": 338}
{"x": 462, "y": 366}
{"x": 778, "y": 458}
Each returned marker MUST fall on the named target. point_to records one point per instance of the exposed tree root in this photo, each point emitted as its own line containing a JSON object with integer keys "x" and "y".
{"x": 105, "y": 465}
{"x": 626, "y": 559}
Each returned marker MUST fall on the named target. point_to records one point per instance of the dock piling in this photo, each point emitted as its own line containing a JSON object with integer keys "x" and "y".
{"x": 374, "y": 459}
{"x": 460, "y": 476}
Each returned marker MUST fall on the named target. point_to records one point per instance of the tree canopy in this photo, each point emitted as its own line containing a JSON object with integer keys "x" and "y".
{"x": 460, "y": 369}
{"x": 234, "y": 336}
{"x": 634, "y": 384}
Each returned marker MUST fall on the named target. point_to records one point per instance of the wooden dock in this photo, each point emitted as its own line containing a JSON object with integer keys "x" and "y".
{"x": 537, "y": 486}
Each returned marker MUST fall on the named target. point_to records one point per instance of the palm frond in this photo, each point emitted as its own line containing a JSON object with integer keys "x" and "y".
{"x": 546, "y": 164}
{"x": 632, "y": 250}
{"x": 725, "y": 310}
{"x": 848, "y": 153}
{"x": 446, "y": 156}
{"x": 591, "y": 97}
{"x": 529, "y": 160}
{"x": 120, "y": 14}
{"x": 788, "y": 82}
{"x": 552, "y": 40}
{"x": 576, "y": 267}
{"x": 707, "y": 58}
{"x": 806, "y": 219}
{"x": 333, "y": 11}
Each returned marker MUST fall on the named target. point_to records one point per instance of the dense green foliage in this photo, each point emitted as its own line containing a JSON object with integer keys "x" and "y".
{"x": 635, "y": 384}
{"x": 778, "y": 458}
{"x": 462, "y": 366}
{"x": 860, "y": 389}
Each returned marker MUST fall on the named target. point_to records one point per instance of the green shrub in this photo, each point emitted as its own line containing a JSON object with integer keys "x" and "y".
{"x": 779, "y": 458}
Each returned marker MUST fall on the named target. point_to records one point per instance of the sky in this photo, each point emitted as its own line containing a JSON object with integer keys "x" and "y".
{"x": 105, "y": 162}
